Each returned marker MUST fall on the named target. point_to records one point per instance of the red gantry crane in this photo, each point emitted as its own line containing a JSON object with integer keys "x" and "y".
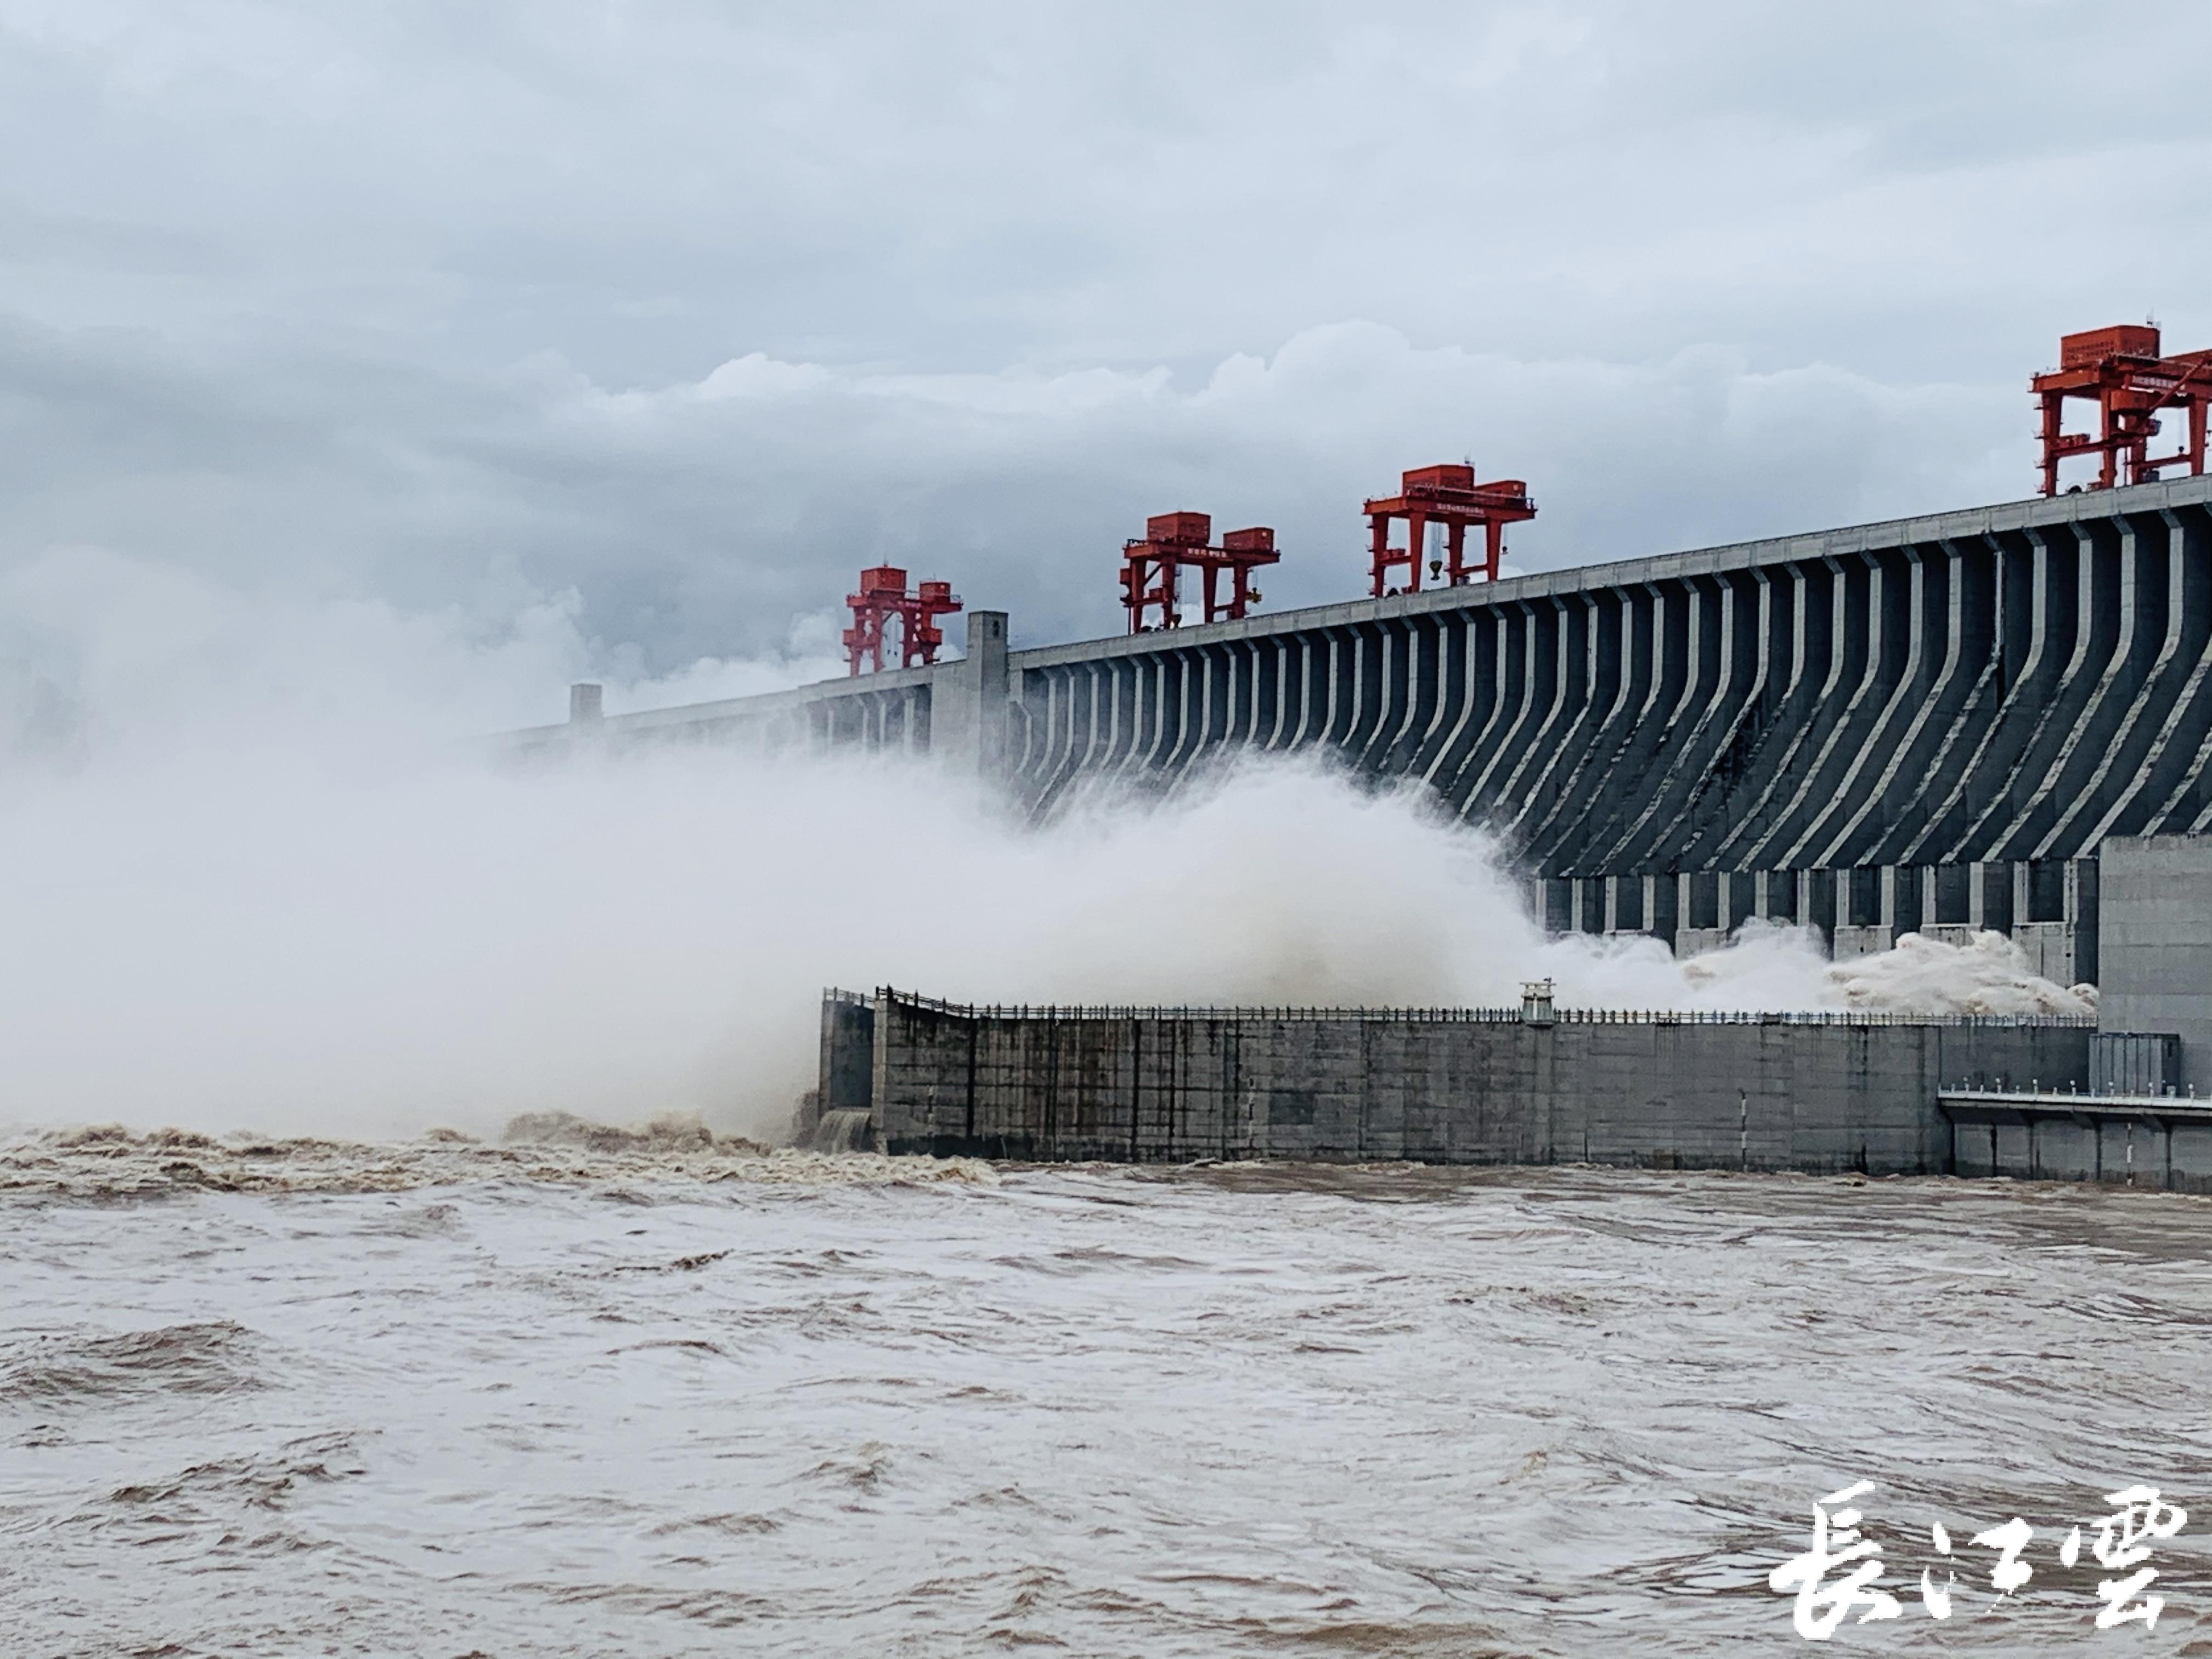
{"x": 2120, "y": 370}
{"x": 1448, "y": 495}
{"x": 1152, "y": 569}
{"x": 883, "y": 596}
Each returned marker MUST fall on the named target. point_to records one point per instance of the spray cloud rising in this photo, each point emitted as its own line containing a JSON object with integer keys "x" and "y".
{"x": 254, "y": 878}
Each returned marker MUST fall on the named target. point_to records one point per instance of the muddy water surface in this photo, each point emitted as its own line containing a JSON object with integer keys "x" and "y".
{"x": 283, "y": 1398}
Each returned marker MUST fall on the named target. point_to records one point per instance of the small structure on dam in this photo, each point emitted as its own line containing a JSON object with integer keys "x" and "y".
{"x": 882, "y": 600}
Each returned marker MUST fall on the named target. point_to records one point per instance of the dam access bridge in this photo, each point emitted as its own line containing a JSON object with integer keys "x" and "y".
{"x": 1927, "y": 724}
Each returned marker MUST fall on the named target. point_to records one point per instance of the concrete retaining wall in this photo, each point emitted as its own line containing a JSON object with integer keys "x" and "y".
{"x": 849, "y": 1035}
{"x": 1806, "y": 1092}
{"x": 2150, "y": 1140}
{"x": 2156, "y": 928}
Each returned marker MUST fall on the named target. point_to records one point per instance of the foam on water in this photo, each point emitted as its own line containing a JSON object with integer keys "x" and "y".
{"x": 111, "y": 1161}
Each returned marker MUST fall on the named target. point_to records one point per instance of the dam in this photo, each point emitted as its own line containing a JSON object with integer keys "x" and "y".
{"x": 1929, "y": 724}
{"x": 1992, "y": 719}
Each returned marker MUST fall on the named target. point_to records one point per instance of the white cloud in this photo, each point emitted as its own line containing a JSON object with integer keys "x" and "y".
{"x": 692, "y": 311}
{"x": 755, "y": 375}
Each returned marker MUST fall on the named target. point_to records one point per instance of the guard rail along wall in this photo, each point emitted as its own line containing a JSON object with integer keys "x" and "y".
{"x": 1926, "y": 723}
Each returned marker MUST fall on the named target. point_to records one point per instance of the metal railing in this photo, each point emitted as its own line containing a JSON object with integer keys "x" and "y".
{"x": 1498, "y": 1016}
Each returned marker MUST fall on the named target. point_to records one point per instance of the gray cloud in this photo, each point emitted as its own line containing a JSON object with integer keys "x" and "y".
{"x": 694, "y": 309}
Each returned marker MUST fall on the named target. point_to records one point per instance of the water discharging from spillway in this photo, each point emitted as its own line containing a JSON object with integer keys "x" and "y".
{"x": 312, "y": 946}
{"x": 844, "y": 1129}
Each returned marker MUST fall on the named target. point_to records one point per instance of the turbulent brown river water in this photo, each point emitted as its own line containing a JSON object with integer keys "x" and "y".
{"x": 648, "y": 1400}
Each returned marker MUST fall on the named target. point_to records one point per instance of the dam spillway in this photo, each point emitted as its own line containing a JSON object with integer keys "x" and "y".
{"x": 1924, "y": 724}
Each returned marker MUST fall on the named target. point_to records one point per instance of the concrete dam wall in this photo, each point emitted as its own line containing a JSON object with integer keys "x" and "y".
{"x": 1927, "y": 724}
{"x": 1906, "y": 725}
{"x": 2156, "y": 933}
{"x": 1819, "y": 1093}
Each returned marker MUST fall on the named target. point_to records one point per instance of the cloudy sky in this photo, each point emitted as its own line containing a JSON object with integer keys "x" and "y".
{"x": 635, "y": 327}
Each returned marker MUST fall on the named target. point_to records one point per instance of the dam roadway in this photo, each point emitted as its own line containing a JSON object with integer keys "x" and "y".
{"x": 1931, "y": 724}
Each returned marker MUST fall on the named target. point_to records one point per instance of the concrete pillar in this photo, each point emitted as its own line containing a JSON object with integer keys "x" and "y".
{"x": 968, "y": 701}
{"x": 1996, "y": 883}
{"x": 2081, "y": 912}
{"x": 1555, "y": 903}
{"x": 1776, "y": 894}
{"x": 1886, "y": 915}
{"x": 1976, "y": 900}
{"x": 1746, "y": 891}
{"x": 1612, "y": 903}
{"x": 584, "y": 703}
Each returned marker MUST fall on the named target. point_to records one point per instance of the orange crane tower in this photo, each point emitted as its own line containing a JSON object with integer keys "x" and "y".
{"x": 883, "y": 596}
{"x": 2119, "y": 369}
{"x": 1152, "y": 568}
{"x": 1448, "y": 495}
